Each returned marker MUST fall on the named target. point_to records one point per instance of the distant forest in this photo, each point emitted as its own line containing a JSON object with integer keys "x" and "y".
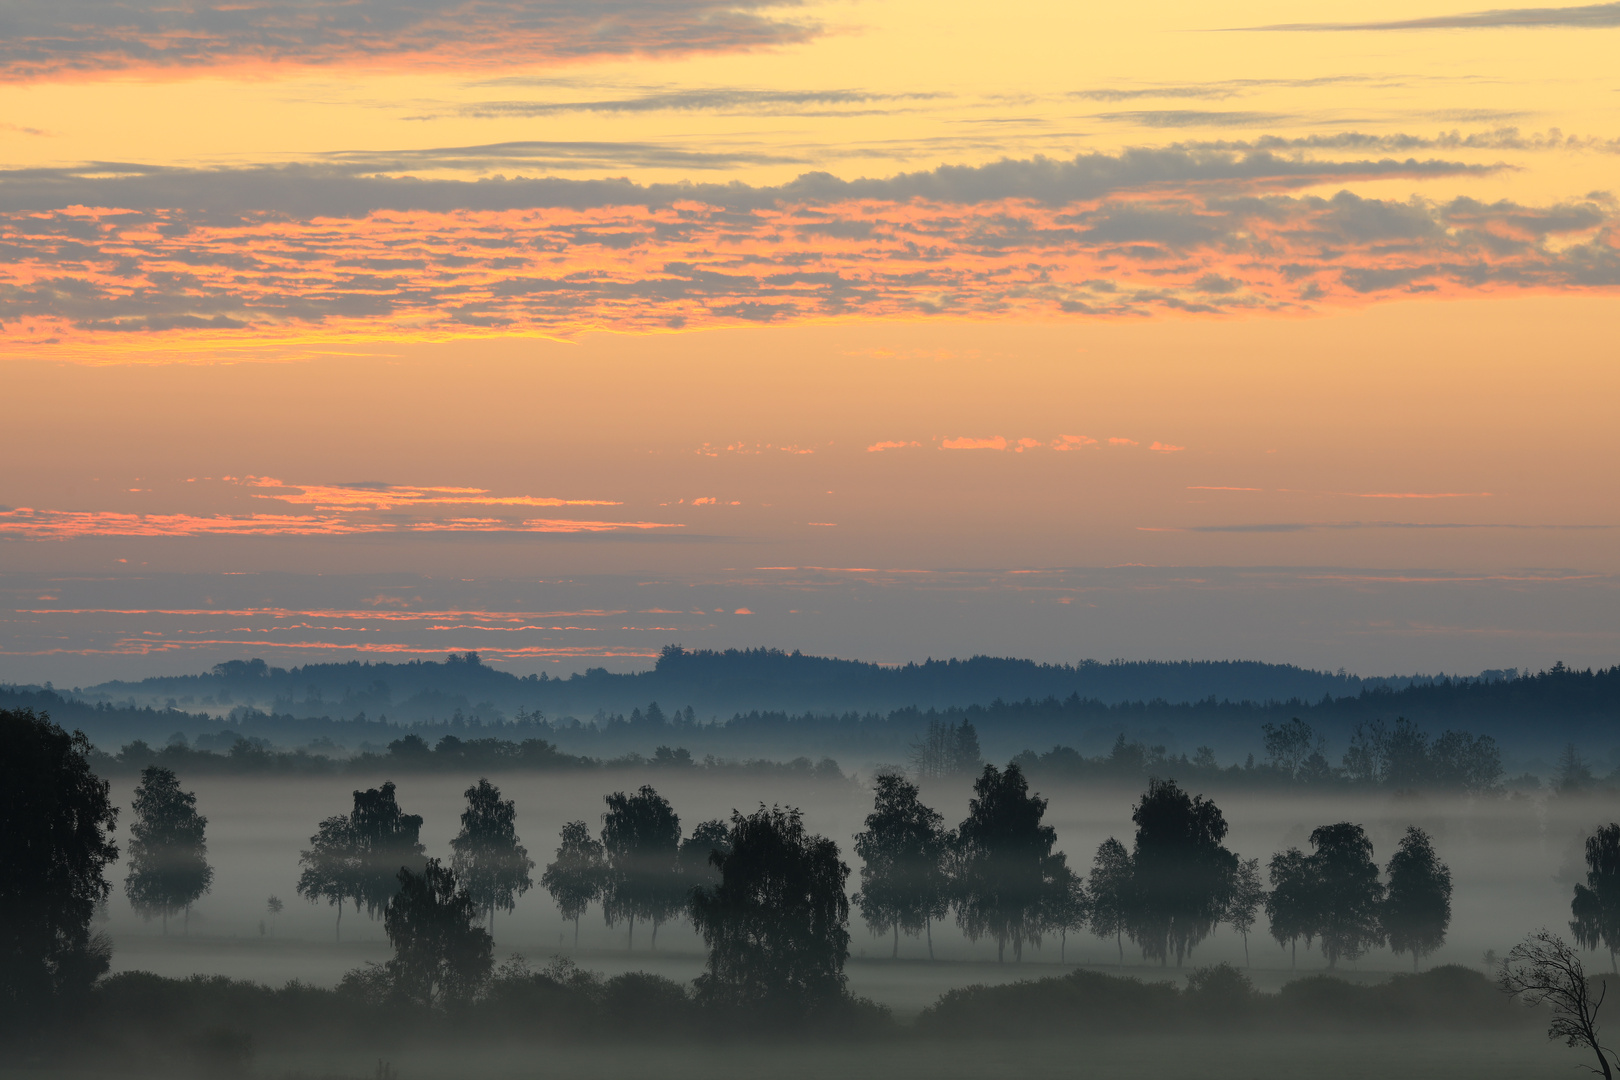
{"x": 347, "y": 709}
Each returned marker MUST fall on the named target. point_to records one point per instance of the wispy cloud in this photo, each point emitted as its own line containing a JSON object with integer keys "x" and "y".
{"x": 1170, "y": 118}
{"x": 717, "y": 100}
{"x": 1593, "y": 16}
{"x": 44, "y": 39}
{"x": 974, "y": 442}
{"x": 394, "y": 497}
{"x": 107, "y": 254}
{"x": 890, "y": 444}
{"x": 28, "y": 524}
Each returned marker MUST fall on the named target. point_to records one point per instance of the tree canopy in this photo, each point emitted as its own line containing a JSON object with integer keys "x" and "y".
{"x": 641, "y": 837}
{"x": 1005, "y": 866}
{"x": 904, "y": 885}
{"x": 1417, "y": 904}
{"x": 489, "y": 860}
{"x": 1182, "y": 875}
{"x": 168, "y": 851}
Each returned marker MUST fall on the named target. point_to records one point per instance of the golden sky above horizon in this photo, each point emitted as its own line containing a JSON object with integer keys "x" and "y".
{"x": 664, "y": 288}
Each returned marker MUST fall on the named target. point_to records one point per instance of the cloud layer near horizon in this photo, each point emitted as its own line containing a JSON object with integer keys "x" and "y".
{"x": 336, "y": 250}
{"x": 44, "y": 39}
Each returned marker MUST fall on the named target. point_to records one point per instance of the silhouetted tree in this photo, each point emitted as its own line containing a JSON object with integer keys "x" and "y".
{"x": 641, "y": 835}
{"x": 1543, "y": 970}
{"x": 947, "y": 750}
{"x": 273, "y": 906}
{"x": 55, "y": 817}
{"x": 1347, "y": 892}
{"x": 439, "y": 955}
{"x": 1574, "y": 774}
{"x": 697, "y": 867}
{"x": 574, "y": 878}
{"x": 1182, "y": 875}
{"x": 1289, "y": 745}
{"x": 902, "y": 851}
{"x": 1291, "y": 905}
{"x": 168, "y": 852}
{"x": 1596, "y": 906}
{"x": 777, "y": 924}
{"x": 331, "y": 867}
{"x": 386, "y": 839}
{"x": 1068, "y": 906}
{"x": 1004, "y": 862}
{"x": 1417, "y": 904}
{"x": 489, "y": 861}
{"x": 1111, "y": 878}
{"x": 1248, "y": 894}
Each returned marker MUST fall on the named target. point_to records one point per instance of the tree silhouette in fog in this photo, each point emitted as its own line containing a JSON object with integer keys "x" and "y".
{"x": 1068, "y": 907}
{"x": 947, "y": 750}
{"x": 1111, "y": 883}
{"x": 440, "y": 956}
{"x": 357, "y": 856}
{"x": 1248, "y": 894}
{"x": 1544, "y": 970}
{"x": 574, "y": 878}
{"x": 696, "y": 865}
{"x": 777, "y": 924}
{"x": 641, "y": 836}
{"x": 902, "y": 849}
{"x": 489, "y": 861}
{"x": 1005, "y": 866}
{"x": 55, "y": 820}
{"x": 1348, "y": 894}
{"x": 168, "y": 851}
{"x": 1596, "y": 906}
{"x": 1182, "y": 876}
{"x": 1291, "y": 906}
{"x": 387, "y": 840}
{"x": 331, "y": 867}
{"x": 1417, "y": 903}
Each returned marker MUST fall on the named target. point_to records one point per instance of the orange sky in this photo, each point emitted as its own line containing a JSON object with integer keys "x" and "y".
{"x": 672, "y": 292}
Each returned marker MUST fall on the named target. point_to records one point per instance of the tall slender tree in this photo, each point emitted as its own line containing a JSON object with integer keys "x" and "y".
{"x": 574, "y": 878}
{"x": 386, "y": 839}
{"x": 1068, "y": 905}
{"x": 1111, "y": 884}
{"x": 1248, "y": 894}
{"x": 56, "y": 820}
{"x": 1596, "y": 906}
{"x": 1182, "y": 874}
{"x": 331, "y": 867}
{"x": 1004, "y": 862}
{"x": 1417, "y": 905}
{"x": 489, "y": 861}
{"x": 1348, "y": 894}
{"x": 1291, "y": 905}
{"x": 902, "y": 852}
{"x": 168, "y": 851}
{"x": 641, "y": 836}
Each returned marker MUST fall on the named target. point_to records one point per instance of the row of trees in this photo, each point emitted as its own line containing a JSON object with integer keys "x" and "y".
{"x": 1000, "y": 874}
{"x": 1399, "y": 756}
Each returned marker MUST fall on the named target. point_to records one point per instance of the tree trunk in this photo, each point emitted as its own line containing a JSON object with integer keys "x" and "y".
{"x": 630, "y": 944}
{"x": 894, "y": 954}
{"x": 1603, "y": 1060}
{"x": 185, "y": 925}
{"x": 1293, "y": 958}
{"x": 1063, "y": 945}
{"x": 1001, "y": 950}
{"x": 338, "y": 934}
{"x": 1246, "y": 951}
{"x": 1119, "y": 939}
{"x": 655, "y": 936}
{"x": 576, "y": 933}
{"x": 1612, "y": 966}
{"x": 928, "y": 925}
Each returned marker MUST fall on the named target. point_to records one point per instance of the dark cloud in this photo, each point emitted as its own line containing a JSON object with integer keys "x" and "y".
{"x": 355, "y": 184}
{"x": 1167, "y": 118}
{"x": 719, "y": 100}
{"x": 45, "y": 38}
{"x": 1222, "y": 89}
{"x": 1594, "y": 16}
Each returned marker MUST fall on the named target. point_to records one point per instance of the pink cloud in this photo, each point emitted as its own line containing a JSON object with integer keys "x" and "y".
{"x": 1072, "y": 442}
{"x": 968, "y": 442}
{"x": 1166, "y": 448}
{"x": 1117, "y": 441}
{"x": 890, "y": 444}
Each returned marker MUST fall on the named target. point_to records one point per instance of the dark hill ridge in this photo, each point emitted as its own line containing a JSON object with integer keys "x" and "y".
{"x": 718, "y": 684}
{"x": 1015, "y": 705}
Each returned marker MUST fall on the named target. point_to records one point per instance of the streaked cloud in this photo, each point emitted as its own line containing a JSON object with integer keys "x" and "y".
{"x": 716, "y": 100}
{"x": 972, "y": 442}
{"x": 44, "y": 39}
{"x": 1164, "y": 118}
{"x": 28, "y": 524}
{"x": 394, "y": 497}
{"x": 890, "y": 444}
{"x": 1592, "y": 16}
{"x": 306, "y": 253}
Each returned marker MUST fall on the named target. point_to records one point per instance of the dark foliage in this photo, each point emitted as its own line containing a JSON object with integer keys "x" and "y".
{"x": 777, "y": 924}
{"x": 1596, "y": 906}
{"x": 489, "y": 860}
{"x": 1005, "y": 869}
{"x": 55, "y": 820}
{"x": 1182, "y": 876}
{"x": 168, "y": 854}
{"x": 440, "y": 957}
{"x": 1417, "y": 905}
{"x": 641, "y": 839}
{"x": 904, "y": 883}
{"x": 575, "y": 877}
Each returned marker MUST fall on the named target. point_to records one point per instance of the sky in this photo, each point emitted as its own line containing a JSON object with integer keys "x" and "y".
{"x": 562, "y": 331}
